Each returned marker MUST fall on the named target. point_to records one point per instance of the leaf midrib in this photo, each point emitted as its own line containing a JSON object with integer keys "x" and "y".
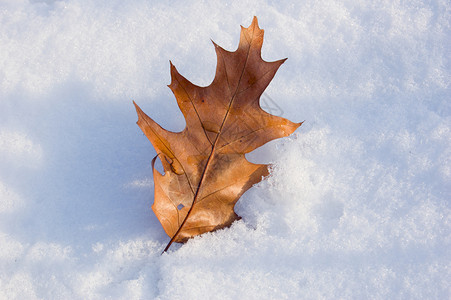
{"x": 212, "y": 153}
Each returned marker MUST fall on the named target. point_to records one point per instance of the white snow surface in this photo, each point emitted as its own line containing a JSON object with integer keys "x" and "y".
{"x": 357, "y": 205}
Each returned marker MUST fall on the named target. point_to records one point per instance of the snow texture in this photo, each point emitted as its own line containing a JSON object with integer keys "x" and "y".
{"x": 357, "y": 205}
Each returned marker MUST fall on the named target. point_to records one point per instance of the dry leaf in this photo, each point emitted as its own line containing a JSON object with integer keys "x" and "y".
{"x": 206, "y": 171}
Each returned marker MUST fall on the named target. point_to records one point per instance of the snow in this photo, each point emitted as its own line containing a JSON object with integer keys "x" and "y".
{"x": 358, "y": 202}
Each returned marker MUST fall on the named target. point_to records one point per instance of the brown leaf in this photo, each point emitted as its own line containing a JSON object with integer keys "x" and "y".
{"x": 206, "y": 171}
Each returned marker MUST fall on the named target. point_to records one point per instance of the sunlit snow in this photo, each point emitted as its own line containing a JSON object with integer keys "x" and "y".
{"x": 357, "y": 205}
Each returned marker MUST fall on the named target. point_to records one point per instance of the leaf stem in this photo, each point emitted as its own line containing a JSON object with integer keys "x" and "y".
{"x": 196, "y": 195}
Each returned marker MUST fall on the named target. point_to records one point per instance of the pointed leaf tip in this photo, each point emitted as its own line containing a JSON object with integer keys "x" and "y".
{"x": 138, "y": 109}
{"x": 254, "y": 21}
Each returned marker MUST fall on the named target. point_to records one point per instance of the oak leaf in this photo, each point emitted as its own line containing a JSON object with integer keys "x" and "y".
{"x": 205, "y": 169}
